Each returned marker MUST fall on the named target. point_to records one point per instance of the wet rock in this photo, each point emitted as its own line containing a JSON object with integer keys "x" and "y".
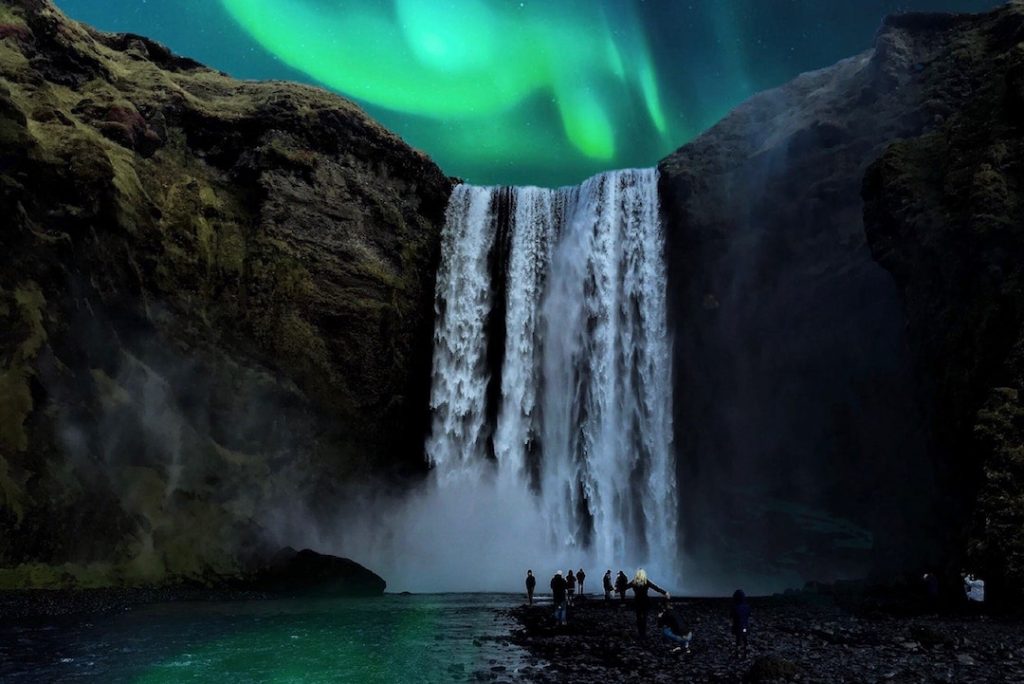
{"x": 293, "y": 572}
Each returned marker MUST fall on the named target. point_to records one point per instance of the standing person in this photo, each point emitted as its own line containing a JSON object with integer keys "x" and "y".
{"x": 570, "y": 586}
{"x": 620, "y": 585}
{"x": 673, "y": 629}
{"x": 558, "y": 597}
{"x": 740, "y": 613}
{"x": 580, "y": 576}
{"x": 531, "y": 583}
{"x": 608, "y": 588}
{"x": 641, "y": 603}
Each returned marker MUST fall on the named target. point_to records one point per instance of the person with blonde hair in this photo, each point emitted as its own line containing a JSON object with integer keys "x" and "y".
{"x": 641, "y": 586}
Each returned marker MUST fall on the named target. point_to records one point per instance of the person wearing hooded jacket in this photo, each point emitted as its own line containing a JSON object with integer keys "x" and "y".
{"x": 608, "y": 588}
{"x": 740, "y": 614}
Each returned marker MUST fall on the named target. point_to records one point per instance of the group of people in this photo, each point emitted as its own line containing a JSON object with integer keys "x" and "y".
{"x": 673, "y": 628}
{"x": 568, "y": 584}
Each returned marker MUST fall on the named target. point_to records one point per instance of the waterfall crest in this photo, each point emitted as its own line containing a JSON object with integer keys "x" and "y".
{"x": 573, "y": 405}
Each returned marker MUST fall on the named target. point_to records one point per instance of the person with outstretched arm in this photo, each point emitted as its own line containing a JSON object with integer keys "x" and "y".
{"x": 641, "y": 586}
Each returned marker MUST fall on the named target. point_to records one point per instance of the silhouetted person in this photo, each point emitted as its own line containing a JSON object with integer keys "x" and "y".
{"x": 673, "y": 629}
{"x": 531, "y": 583}
{"x": 641, "y": 603}
{"x": 931, "y": 588}
{"x": 608, "y": 587}
{"x": 570, "y": 586}
{"x": 558, "y": 597}
{"x": 740, "y": 614}
{"x": 580, "y": 577}
{"x": 621, "y": 582}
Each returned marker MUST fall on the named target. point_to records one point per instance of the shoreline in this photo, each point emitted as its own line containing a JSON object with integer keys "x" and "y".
{"x": 792, "y": 638}
{"x": 20, "y": 606}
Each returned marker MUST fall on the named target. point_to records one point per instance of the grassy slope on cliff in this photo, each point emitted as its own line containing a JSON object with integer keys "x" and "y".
{"x": 215, "y": 296}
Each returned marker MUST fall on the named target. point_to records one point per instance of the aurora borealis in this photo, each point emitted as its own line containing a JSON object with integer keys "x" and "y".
{"x": 521, "y": 91}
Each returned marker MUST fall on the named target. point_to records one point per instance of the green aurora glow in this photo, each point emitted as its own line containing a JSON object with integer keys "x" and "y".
{"x": 473, "y": 64}
{"x": 541, "y": 92}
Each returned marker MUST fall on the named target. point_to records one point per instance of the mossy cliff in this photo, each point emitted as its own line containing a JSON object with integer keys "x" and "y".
{"x": 804, "y": 398}
{"x": 944, "y": 214}
{"x": 204, "y": 283}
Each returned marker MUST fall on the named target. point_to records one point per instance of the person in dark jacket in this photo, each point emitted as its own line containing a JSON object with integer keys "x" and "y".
{"x": 531, "y": 584}
{"x": 608, "y": 587}
{"x": 641, "y": 586}
{"x": 580, "y": 577}
{"x": 673, "y": 629}
{"x": 740, "y": 613}
{"x": 558, "y": 597}
{"x": 621, "y": 582}
{"x": 570, "y": 586}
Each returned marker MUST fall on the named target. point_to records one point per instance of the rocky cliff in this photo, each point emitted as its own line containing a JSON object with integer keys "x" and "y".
{"x": 945, "y": 215}
{"x": 814, "y": 434}
{"x": 204, "y": 282}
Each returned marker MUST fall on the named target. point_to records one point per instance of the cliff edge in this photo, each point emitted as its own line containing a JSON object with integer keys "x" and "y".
{"x": 205, "y": 282}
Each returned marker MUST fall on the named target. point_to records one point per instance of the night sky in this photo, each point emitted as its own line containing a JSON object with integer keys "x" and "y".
{"x": 543, "y": 92}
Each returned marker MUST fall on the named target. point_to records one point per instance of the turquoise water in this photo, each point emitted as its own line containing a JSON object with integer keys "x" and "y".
{"x": 419, "y": 638}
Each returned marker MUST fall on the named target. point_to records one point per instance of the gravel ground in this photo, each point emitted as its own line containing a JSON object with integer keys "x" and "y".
{"x": 791, "y": 640}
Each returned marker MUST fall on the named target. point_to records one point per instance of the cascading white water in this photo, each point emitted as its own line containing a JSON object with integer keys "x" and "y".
{"x": 582, "y": 421}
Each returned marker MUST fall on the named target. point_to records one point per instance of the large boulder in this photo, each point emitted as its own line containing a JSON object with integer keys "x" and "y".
{"x": 306, "y": 571}
{"x": 216, "y": 301}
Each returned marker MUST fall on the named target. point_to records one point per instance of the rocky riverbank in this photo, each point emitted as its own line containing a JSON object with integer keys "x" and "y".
{"x": 806, "y": 639}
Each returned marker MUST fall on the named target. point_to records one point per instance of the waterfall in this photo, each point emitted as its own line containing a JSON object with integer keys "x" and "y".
{"x": 551, "y": 366}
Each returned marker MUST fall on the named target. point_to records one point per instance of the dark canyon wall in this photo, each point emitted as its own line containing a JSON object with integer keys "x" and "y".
{"x": 214, "y": 296}
{"x": 815, "y": 435}
{"x": 945, "y": 215}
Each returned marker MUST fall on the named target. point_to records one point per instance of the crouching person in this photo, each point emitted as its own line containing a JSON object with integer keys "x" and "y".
{"x": 674, "y": 630}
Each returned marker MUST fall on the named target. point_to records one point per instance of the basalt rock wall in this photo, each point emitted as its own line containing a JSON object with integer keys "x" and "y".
{"x": 944, "y": 214}
{"x": 813, "y": 436}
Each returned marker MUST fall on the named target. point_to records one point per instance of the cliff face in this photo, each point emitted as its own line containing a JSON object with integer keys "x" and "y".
{"x": 204, "y": 281}
{"x": 945, "y": 215}
{"x": 807, "y": 432}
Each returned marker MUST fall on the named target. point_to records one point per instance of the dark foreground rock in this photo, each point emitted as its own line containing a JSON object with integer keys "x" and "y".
{"x": 792, "y": 639}
{"x": 216, "y": 301}
{"x": 291, "y": 572}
